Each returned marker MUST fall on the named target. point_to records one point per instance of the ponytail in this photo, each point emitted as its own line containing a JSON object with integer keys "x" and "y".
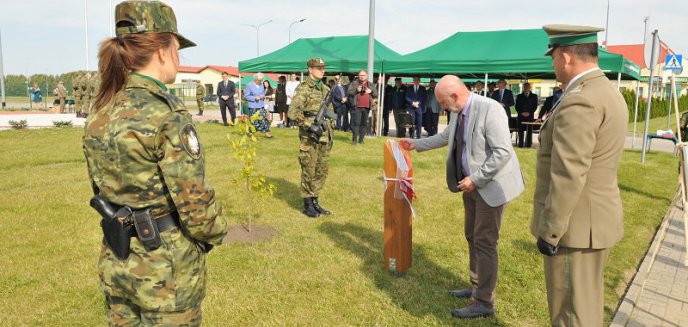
{"x": 119, "y": 56}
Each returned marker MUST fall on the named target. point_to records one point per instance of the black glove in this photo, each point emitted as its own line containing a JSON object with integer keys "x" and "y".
{"x": 315, "y": 132}
{"x": 546, "y": 248}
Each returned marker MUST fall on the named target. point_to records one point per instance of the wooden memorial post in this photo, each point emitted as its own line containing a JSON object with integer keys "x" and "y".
{"x": 398, "y": 211}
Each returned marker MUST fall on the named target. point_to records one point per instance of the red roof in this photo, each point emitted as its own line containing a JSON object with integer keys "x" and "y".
{"x": 636, "y": 52}
{"x": 190, "y": 69}
{"x": 231, "y": 70}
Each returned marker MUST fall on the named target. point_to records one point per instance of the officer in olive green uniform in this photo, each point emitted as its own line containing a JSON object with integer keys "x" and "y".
{"x": 577, "y": 212}
{"x": 95, "y": 88}
{"x": 143, "y": 152}
{"x": 76, "y": 92}
{"x": 313, "y": 154}
{"x": 61, "y": 94}
{"x": 88, "y": 89}
{"x": 200, "y": 95}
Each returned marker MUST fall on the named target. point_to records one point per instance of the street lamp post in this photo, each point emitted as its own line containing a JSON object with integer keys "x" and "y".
{"x": 257, "y": 27}
{"x": 292, "y": 24}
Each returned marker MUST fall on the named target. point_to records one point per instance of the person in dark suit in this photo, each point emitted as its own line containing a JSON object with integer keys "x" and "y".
{"x": 397, "y": 103}
{"x": 526, "y": 103}
{"x": 415, "y": 102}
{"x": 549, "y": 103}
{"x": 432, "y": 110}
{"x": 225, "y": 95}
{"x": 490, "y": 89}
{"x": 504, "y": 97}
{"x": 340, "y": 102}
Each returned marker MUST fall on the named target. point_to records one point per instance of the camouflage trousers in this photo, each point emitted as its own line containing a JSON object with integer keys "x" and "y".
{"x": 63, "y": 105}
{"x": 164, "y": 287}
{"x": 314, "y": 158}
{"x": 199, "y": 102}
{"x": 78, "y": 103}
{"x": 86, "y": 106}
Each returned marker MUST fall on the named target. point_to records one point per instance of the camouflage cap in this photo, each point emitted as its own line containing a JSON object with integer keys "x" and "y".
{"x": 133, "y": 17}
{"x": 316, "y": 62}
{"x": 563, "y": 35}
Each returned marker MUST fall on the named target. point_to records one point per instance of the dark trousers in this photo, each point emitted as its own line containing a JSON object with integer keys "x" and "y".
{"x": 385, "y": 122}
{"x": 342, "y": 117}
{"x": 224, "y": 105}
{"x": 432, "y": 121}
{"x": 359, "y": 122}
{"x": 348, "y": 116}
{"x": 524, "y": 129}
{"x": 401, "y": 132}
{"x": 482, "y": 233}
{"x": 416, "y": 120}
{"x": 426, "y": 120}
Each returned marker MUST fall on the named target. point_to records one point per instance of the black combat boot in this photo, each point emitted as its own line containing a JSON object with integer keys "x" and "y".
{"x": 309, "y": 208}
{"x": 200, "y": 113}
{"x": 320, "y": 209}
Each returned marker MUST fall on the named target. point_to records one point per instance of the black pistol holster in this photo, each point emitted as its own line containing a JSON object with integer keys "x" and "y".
{"x": 117, "y": 235}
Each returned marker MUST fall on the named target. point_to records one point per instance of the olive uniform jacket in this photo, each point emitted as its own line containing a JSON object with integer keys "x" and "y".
{"x": 577, "y": 202}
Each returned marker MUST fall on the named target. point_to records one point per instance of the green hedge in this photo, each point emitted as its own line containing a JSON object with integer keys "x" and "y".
{"x": 660, "y": 107}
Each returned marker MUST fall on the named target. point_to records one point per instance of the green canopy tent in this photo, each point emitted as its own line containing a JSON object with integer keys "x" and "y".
{"x": 497, "y": 54}
{"x": 340, "y": 53}
{"x": 507, "y": 54}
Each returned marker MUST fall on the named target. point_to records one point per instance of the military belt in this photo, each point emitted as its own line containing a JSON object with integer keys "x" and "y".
{"x": 164, "y": 222}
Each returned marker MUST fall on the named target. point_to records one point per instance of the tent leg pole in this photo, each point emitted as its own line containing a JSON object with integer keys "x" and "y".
{"x": 485, "y": 86}
{"x": 240, "y": 102}
{"x": 618, "y": 81}
{"x": 635, "y": 115}
{"x": 381, "y": 83}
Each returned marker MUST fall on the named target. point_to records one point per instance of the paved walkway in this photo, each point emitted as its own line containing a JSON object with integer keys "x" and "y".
{"x": 664, "y": 299}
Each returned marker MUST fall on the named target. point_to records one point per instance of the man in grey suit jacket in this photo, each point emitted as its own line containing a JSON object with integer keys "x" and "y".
{"x": 482, "y": 164}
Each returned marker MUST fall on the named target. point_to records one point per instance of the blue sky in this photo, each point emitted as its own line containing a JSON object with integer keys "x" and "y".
{"x": 48, "y": 36}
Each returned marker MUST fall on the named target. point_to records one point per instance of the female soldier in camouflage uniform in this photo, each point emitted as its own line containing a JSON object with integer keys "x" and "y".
{"x": 143, "y": 152}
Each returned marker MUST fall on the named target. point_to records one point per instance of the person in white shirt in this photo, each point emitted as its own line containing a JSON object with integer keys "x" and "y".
{"x": 291, "y": 90}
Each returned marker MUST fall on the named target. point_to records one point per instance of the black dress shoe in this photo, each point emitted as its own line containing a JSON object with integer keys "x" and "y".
{"x": 465, "y": 293}
{"x": 473, "y": 310}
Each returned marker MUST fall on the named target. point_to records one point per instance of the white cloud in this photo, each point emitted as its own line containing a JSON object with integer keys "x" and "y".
{"x": 49, "y": 35}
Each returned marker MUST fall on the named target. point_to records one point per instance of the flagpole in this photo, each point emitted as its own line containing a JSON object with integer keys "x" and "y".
{"x": 2, "y": 77}
{"x": 111, "y": 21}
{"x": 86, "y": 31}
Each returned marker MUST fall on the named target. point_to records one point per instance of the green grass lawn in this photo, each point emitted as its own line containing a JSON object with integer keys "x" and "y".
{"x": 324, "y": 272}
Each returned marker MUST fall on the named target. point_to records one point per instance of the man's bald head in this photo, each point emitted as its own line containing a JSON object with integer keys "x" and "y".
{"x": 451, "y": 93}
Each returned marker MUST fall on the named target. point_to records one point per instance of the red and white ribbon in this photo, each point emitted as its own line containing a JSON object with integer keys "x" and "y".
{"x": 403, "y": 182}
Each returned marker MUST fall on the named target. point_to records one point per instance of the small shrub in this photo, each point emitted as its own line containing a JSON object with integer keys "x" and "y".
{"x": 22, "y": 124}
{"x": 244, "y": 145}
{"x": 62, "y": 123}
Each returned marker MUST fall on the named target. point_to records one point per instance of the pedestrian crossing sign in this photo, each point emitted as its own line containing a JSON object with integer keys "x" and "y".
{"x": 673, "y": 62}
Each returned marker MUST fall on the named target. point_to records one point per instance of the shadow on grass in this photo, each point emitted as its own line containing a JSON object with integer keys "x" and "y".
{"x": 626, "y": 188}
{"x": 287, "y": 192}
{"x": 421, "y": 291}
{"x": 344, "y": 137}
